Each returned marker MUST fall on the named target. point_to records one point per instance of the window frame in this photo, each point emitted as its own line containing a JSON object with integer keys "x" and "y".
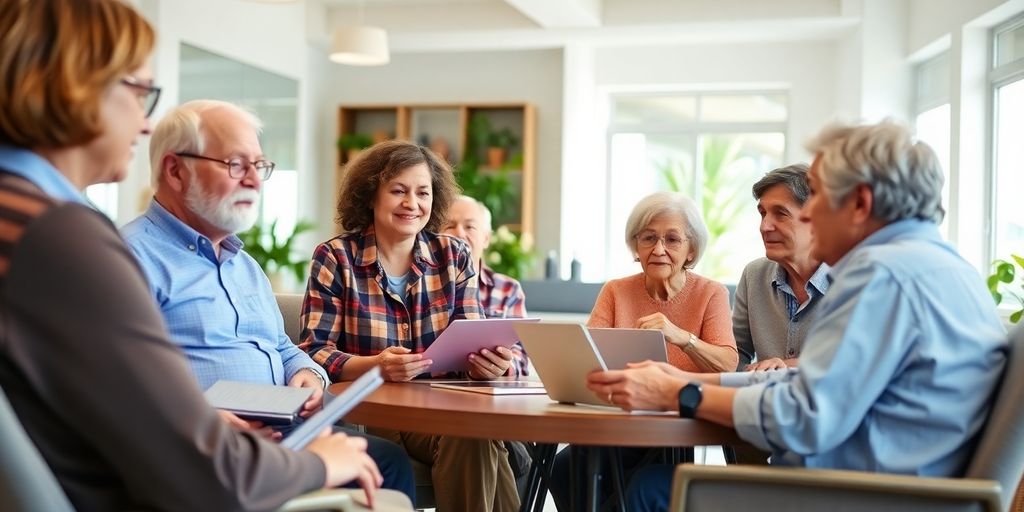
{"x": 998, "y": 76}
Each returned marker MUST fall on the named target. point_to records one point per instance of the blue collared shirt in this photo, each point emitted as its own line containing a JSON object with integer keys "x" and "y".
{"x": 816, "y": 287}
{"x": 40, "y": 172}
{"x": 898, "y": 369}
{"x": 222, "y": 312}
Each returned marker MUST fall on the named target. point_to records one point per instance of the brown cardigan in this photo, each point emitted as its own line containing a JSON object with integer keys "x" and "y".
{"x": 108, "y": 400}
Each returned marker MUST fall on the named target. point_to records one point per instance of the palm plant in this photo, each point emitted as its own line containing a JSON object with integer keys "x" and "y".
{"x": 276, "y": 255}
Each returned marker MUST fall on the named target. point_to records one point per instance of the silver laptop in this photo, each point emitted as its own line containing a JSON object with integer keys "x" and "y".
{"x": 619, "y": 347}
{"x": 563, "y": 354}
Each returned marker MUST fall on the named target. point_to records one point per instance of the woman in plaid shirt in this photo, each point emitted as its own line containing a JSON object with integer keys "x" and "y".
{"x": 382, "y": 292}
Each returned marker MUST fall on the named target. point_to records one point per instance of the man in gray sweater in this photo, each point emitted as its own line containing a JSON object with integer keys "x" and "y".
{"x": 777, "y": 295}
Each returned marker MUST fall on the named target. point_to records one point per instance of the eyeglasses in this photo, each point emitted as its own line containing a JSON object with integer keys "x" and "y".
{"x": 672, "y": 241}
{"x": 237, "y": 167}
{"x": 151, "y": 93}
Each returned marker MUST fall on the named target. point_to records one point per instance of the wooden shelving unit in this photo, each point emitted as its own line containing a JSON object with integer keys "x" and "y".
{"x": 428, "y": 124}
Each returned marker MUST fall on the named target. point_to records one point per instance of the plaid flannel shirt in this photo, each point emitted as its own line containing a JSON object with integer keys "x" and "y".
{"x": 502, "y": 297}
{"x": 349, "y": 310}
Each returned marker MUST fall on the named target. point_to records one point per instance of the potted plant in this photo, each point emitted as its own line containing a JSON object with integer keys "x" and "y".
{"x": 499, "y": 143}
{"x": 1004, "y": 273}
{"x": 353, "y": 143}
{"x": 509, "y": 253}
{"x": 275, "y": 255}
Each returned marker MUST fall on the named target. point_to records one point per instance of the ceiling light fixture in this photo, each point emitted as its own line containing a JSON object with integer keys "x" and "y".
{"x": 360, "y": 45}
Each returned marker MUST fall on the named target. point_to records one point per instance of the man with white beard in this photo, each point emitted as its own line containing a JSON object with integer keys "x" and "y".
{"x": 208, "y": 169}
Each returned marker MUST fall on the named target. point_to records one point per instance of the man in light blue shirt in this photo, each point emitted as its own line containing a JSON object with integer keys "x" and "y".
{"x": 208, "y": 169}
{"x": 899, "y": 367}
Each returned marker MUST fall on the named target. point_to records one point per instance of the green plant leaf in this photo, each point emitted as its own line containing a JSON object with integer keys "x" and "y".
{"x": 1015, "y": 316}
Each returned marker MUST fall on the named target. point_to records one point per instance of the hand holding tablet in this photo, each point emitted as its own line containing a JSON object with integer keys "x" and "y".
{"x": 451, "y": 350}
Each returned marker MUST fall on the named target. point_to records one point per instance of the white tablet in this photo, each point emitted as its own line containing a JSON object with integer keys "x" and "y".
{"x": 464, "y": 337}
{"x": 619, "y": 347}
{"x": 333, "y": 410}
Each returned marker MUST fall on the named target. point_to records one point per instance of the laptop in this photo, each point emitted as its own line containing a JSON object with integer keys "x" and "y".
{"x": 463, "y": 337}
{"x": 563, "y": 354}
{"x": 618, "y": 347}
{"x": 334, "y": 409}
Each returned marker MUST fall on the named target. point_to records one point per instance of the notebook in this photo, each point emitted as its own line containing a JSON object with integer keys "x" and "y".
{"x": 334, "y": 409}
{"x": 495, "y": 387}
{"x": 268, "y": 403}
{"x": 563, "y": 354}
{"x": 463, "y": 337}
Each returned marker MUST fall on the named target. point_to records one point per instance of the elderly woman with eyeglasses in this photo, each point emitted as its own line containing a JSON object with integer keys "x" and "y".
{"x": 667, "y": 234}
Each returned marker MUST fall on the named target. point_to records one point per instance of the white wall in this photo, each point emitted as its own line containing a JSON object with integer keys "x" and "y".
{"x": 268, "y": 36}
{"x": 533, "y": 76}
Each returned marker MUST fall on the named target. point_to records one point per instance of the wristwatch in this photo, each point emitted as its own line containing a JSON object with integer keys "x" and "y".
{"x": 689, "y": 398}
{"x": 691, "y": 342}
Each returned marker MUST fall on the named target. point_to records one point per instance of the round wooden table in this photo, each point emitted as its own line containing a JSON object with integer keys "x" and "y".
{"x": 418, "y": 407}
{"x": 415, "y": 407}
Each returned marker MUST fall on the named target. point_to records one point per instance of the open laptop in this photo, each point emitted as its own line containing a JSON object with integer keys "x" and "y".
{"x": 619, "y": 347}
{"x": 563, "y": 354}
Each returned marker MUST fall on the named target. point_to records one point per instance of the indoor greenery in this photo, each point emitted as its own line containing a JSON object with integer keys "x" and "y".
{"x": 274, "y": 254}
{"x": 356, "y": 140}
{"x": 1005, "y": 275}
{"x": 493, "y": 189}
{"x": 509, "y": 253}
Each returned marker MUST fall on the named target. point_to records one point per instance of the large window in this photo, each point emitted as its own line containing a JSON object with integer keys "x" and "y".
{"x": 710, "y": 146}
{"x": 932, "y": 120}
{"x": 1007, "y": 80}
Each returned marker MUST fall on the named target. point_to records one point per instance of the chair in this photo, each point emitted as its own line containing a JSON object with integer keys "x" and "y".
{"x": 992, "y": 476}
{"x": 28, "y": 485}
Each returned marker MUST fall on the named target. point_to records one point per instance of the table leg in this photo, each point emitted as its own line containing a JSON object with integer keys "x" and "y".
{"x": 540, "y": 470}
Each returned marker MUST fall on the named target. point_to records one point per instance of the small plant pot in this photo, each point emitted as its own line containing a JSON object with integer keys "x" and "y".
{"x": 495, "y": 157}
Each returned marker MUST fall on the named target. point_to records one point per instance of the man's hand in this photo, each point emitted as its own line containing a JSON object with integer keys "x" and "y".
{"x": 659, "y": 322}
{"x": 487, "y": 364}
{"x": 768, "y": 364}
{"x": 345, "y": 460}
{"x": 306, "y": 378}
{"x": 398, "y": 365}
{"x": 255, "y": 426}
{"x": 647, "y": 387}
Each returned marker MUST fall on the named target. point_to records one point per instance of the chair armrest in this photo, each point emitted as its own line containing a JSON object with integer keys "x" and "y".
{"x": 804, "y": 489}
{"x": 348, "y": 500}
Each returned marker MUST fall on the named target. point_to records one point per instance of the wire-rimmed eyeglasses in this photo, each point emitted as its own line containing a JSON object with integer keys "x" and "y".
{"x": 151, "y": 93}
{"x": 672, "y": 241}
{"x": 237, "y": 167}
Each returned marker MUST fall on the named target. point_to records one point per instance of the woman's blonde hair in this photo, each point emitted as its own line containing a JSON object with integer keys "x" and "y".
{"x": 379, "y": 164}
{"x": 58, "y": 58}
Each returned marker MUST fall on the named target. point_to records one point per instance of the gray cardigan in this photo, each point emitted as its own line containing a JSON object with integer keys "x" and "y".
{"x": 760, "y": 318}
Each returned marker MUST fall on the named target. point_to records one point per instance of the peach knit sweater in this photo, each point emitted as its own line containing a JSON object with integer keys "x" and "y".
{"x": 701, "y": 307}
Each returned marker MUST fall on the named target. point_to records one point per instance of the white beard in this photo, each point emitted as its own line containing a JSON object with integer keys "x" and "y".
{"x": 223, "y": 213}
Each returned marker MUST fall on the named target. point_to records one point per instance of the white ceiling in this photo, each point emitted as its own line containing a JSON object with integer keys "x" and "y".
{"x": 473, "y": 25}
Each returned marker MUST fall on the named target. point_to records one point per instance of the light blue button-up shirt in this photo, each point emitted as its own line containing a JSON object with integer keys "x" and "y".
{"x": 221, "y": 312}
{"x": 39, "y": 171}
{"x": 897, "y": 371}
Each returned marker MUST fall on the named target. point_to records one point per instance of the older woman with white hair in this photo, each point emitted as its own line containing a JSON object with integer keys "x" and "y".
{"x": 667, "y": 235}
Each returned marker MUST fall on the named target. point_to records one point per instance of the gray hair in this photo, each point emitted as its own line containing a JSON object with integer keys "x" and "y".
{"x": 903, "y": 173}
{"x": 669, "y": 202}
{"x": 793, "y": 177}
{"x": 485, "y": 212}
{"x": 181, "y": 131}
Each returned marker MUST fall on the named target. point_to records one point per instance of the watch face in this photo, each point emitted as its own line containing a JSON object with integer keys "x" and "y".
{"x": 689, "y": 398}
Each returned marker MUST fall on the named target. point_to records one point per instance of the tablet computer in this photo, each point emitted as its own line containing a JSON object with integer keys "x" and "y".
{"x": 267, "y": 403}
{"x": 333, "y": 409}
{"x": 463, "y": 337}
{"x": 619, "y": 347}
{"x": 563, "y": 354}
{"x": 495, "y": 387}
